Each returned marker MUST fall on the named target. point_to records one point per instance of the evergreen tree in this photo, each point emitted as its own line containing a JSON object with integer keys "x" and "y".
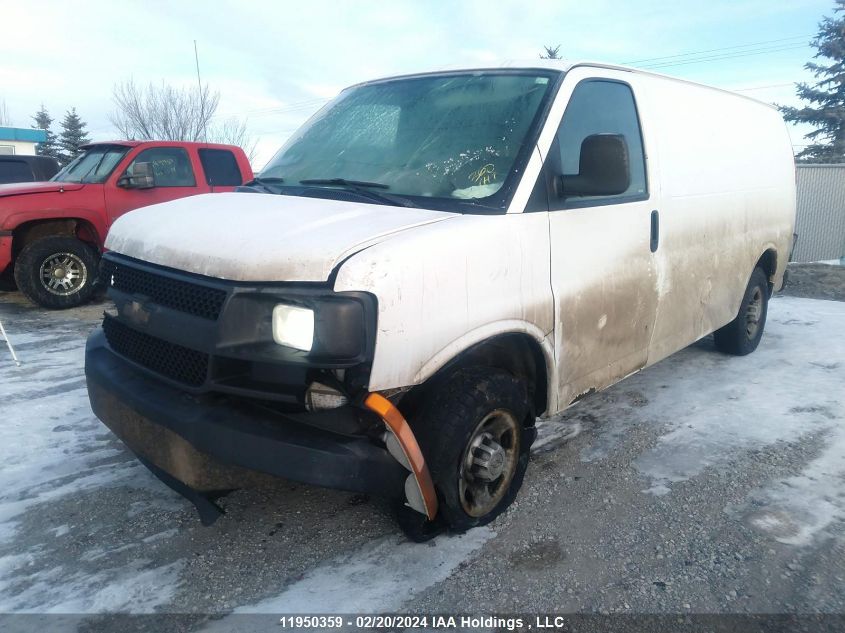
{"x": 43, "y": 121}
{"x": 826, "y": 98}
{"x": 73, "y": 135}
{"x": 551, "y": 52}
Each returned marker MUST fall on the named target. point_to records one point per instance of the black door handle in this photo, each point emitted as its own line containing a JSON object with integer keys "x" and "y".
{"x": 655, "y": 230}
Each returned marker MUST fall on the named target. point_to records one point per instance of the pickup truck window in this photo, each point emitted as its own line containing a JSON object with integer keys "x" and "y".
{"x": 171, "y": 166}
{"x": 221, "y": 168}
{"x": 601, "y": 107}
{"x": 94, "y": 165}
{"x": 452, "y": 137}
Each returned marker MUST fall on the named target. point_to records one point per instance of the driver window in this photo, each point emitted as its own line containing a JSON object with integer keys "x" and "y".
{"x": 600, "y": 107}
{"x": 171, "y": 166}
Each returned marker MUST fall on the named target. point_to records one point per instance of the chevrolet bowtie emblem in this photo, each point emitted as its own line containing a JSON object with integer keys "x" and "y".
{"x": 136, "y": 313}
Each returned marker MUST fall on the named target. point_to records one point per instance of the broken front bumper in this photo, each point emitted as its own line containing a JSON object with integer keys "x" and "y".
{"x": 208, "y": 445}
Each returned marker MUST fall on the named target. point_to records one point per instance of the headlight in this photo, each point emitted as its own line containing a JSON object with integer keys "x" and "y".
{"x": 299, "y": 325}
{"x": 293, "y": 326}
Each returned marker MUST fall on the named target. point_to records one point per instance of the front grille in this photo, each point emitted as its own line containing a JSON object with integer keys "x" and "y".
{"x": 184, "y": 296}
{"x": 167, "y": 359}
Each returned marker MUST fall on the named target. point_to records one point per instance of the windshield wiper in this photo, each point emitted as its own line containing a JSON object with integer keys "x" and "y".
{"x": 343, "y": 182}
{"x": 362, "y": 188}
{"x": 266, "y": 183}
{"x": 84, "y": 178}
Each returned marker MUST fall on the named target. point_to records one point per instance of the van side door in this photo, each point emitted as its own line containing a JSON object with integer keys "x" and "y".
{"x": 602, "y": 267}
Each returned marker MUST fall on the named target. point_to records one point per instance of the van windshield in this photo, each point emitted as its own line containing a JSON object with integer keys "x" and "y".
{"x": 449, "y": 137}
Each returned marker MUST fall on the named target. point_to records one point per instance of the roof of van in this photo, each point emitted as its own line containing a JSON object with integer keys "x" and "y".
{"x": 565, "y": 65}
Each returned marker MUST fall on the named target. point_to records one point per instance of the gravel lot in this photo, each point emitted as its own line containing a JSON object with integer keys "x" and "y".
{"x": 816, "y": 281}
{"x": 705, "y": 484}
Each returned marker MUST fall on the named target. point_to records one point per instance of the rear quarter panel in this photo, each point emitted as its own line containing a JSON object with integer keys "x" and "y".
{"x": 727, "y": 195}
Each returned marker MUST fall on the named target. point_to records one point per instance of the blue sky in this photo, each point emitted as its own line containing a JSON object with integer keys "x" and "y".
{"x": 275, "y": 63}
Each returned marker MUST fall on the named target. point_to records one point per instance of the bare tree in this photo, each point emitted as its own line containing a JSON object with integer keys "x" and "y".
{"x": 233, "y": 131}
{"x": 167, "y": 113}
{"x": 163, "y": 112}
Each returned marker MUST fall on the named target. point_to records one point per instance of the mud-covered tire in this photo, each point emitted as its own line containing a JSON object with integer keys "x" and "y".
{"x": 447, "y": 424}
{"x": 50, "y": 253}
{"x": 742, "y": 335}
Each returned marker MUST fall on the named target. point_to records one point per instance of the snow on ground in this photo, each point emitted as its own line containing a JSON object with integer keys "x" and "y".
{"x": 713, "y": 408}
{"x": 706, "y": 409}
{"x": 379, "y": 577}
{"x": 52, "y": 447}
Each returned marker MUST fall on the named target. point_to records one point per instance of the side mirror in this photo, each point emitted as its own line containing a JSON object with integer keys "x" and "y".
{"x": 141, "y": 177}
{"x": 603, "y": 168}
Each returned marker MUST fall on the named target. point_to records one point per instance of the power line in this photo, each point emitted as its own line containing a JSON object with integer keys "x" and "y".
{"x": 295, "y": 104}
{"x": 791, "y": 83}
{"x": 714, "y": 50}
{"x": 291, "y": 107}
{"x": 727, "y": 56}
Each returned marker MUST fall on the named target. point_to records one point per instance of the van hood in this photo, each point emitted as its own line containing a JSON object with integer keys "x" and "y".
{"x": 259, "y": 237}
{"x": 23, "y": 188}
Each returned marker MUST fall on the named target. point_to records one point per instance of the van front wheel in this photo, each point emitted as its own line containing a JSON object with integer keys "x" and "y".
{"x": 473, "y": 435}
{"x": 742, "y": 335}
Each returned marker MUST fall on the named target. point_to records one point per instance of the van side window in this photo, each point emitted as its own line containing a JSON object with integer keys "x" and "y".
{"x": 598, "y": 107}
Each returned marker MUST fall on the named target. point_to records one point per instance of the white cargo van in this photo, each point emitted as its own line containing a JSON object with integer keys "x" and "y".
{"x": 428, "y": 265}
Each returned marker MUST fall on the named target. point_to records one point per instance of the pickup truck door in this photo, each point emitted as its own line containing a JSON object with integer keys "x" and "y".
{"x": 176, "y": 176}
{"x": 602, "y": 265}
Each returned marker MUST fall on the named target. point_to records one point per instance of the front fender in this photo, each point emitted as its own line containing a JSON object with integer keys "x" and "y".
{"x": 444, "y": 287}
{"x": 85, "y": 204}
{"x": 484, "y": 333}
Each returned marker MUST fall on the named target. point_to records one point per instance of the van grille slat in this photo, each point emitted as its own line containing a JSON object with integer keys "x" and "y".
{"x": 167, "y": 359}
{"x": 185, "y": 296}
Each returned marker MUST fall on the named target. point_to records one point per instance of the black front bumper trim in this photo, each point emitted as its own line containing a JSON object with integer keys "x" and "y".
{"x": 203, "y": 501}
{"x": 187, "y": 438}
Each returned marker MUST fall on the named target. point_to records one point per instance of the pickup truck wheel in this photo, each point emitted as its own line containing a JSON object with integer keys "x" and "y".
{"x": 473, "y": 438}
{"x": 56, "y": 272}
{"x": 742, "y": 335}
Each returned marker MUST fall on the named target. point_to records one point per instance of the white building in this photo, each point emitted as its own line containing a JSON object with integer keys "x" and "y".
{"x": 20, "y": 140}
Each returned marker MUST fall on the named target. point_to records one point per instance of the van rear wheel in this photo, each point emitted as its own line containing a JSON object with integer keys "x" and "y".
{"x": 473, "y": 435}
{"x": 742, "y": 335}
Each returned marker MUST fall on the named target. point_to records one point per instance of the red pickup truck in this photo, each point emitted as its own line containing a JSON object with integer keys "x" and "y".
{"x": 52, "y": 233}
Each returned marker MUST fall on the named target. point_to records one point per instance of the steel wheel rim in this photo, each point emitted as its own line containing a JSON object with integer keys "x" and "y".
{"x": 753, "y": 313}
{"x": 63, "y": 274}
{"x": 489, "y": 462}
